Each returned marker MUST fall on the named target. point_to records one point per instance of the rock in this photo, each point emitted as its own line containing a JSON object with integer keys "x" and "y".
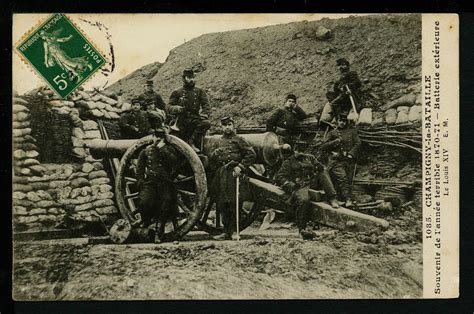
{"x": 97, "y": 174}
{"x": 99, "y": 181}
{"x": 323, "y": 33}
{"x": 79, "y": 182}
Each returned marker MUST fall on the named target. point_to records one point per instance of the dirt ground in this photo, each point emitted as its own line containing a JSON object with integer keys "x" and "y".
{"x": 274, "y": 263}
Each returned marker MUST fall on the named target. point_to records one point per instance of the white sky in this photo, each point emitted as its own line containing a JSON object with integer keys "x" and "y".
{"x": 140, "y": 39}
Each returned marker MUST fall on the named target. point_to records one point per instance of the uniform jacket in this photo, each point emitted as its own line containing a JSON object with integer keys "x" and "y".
{"x": 285, "y": 118}
{"x": 299, "y": 169}
{"x": 140, "y": 119}
{"x": 157, "y": 163}
{"x": 349, "y": 141}
{"x": 232, "y": 150}
{"x": 352, "y": 80}
{"x": 152, "y": 96}
{"x": 193, "y": 100}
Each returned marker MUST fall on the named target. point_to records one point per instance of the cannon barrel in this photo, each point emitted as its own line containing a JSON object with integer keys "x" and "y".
{"x": 266, "y": 145}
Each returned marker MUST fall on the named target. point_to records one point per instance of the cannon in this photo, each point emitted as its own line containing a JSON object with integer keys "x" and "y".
{"x": 196, "y": 209}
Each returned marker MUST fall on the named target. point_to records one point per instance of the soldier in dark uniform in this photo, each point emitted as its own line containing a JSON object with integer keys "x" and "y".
{"x": 297, "y": 174}
{"x": 342, "y": 146}
{"x": 348, "y": 84}
{"x": 191, "y": 106}
{"x": 150, "y": 96}
{"x": 232, "y": 157}
{"x": 284, "y": 120}
{"x": 137, "y": 123}
{"x": 156, "y": 171}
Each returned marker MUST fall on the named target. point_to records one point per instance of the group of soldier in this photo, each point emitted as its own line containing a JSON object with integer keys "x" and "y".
{"x": 158, "y": 164}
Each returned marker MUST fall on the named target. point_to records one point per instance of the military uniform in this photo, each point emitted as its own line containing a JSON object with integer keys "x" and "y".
{"x": 137, "y": 124}
{"x": 232, "y": 150}
{"x": 286, "y": 119}
{"x": 156, "y": 171}
{"x": 341, "y": 102}
{"x": 341, "y": 147}
{"x": 152, "y": 96}
{"x": 297, "y": 174}
{"x": 194, "y": 102}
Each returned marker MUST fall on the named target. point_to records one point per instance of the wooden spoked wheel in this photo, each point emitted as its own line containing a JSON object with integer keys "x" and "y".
{"x": 190, "y": 183}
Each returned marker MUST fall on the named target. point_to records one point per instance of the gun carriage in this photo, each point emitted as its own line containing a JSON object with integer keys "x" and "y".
{"x": 196, "y": 208}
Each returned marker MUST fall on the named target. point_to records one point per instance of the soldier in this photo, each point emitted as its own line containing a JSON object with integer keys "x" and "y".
{"x": 191, "y": 106}
{"x": 138, "y": 123}
{"x": 156, "y": 171}
{"x": 284, "y": 120}
{"x": 155, "y": 114}
{"x": 232, "y": 157}
{"x": 348, "y": 84}
{"x": 342, "y": 146}
{"x": 150, "y": 96}
{"x": 297, "y": 173}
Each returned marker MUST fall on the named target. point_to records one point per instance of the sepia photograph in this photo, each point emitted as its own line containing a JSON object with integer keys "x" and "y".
{"x": 233, "y": 156}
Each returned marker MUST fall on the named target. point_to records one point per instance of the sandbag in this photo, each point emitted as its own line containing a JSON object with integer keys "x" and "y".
{"x": 405, "y": 100}
{"x": 97, "y": 113}
{"x": 391, "y": 116}
{"x": 64, "y": 111}
{"x": 114, "y": 115}
{"x": 77, "y": 132}
{"x": 61, "y": 103}
{"x": 21, "y": 125}
{"x": 19, "y": 101}
{"x": 90, "y": 125}
{"x": 21, "y": 132}
{"x": 403, "y": 108}
{"x": 365, "y": 117}
{"x": 106, "y": 114}
{"x": 402, "y": 117}
{"x": 20, "y": 108}
{"x": 415, "y": 114}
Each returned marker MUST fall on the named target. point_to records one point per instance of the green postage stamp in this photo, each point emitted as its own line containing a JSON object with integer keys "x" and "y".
{"x": 60, "y": 54}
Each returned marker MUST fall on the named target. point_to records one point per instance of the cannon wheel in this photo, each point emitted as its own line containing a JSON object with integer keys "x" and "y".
{"x": 191, "y": 186}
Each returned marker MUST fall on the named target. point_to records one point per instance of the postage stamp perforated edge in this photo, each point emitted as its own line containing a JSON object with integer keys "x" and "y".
{"x": 39, "y": 24}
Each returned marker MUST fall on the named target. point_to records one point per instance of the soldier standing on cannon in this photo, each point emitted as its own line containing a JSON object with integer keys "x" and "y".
{"x": 297, "y": 174}
{"x": 284, "y": 120}
{"x": 191, "y": 106}
{"x": 232, "y": 156}
{"x": 342, "y": 146}
{"x": 150, "y": 96}
{"x": 138, "y": 123}
{"x": 347, "y": 86}
{"x": 156, "y": 171}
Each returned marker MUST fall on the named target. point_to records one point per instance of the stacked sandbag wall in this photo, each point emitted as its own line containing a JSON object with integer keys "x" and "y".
{"x": 44, "y": 192}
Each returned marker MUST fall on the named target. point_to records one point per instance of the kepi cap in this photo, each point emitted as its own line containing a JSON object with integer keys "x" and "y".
{"x": 188, "y": 72}
{"x": 291, "y": 96}
{"x": 227, "y": 119}
{"x": 342, "y": 61}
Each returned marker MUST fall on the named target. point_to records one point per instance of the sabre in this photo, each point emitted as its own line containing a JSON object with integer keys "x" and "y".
{"x": 237, "y": 181}
{"x": 352, "y": 102}
{"x": 175, "y": 127}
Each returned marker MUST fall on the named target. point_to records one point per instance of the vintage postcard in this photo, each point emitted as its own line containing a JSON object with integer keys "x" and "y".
{"x": 235, "y": 156}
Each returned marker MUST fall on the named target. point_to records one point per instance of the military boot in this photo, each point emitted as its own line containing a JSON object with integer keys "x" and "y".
{"x": 307, "y": 234}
